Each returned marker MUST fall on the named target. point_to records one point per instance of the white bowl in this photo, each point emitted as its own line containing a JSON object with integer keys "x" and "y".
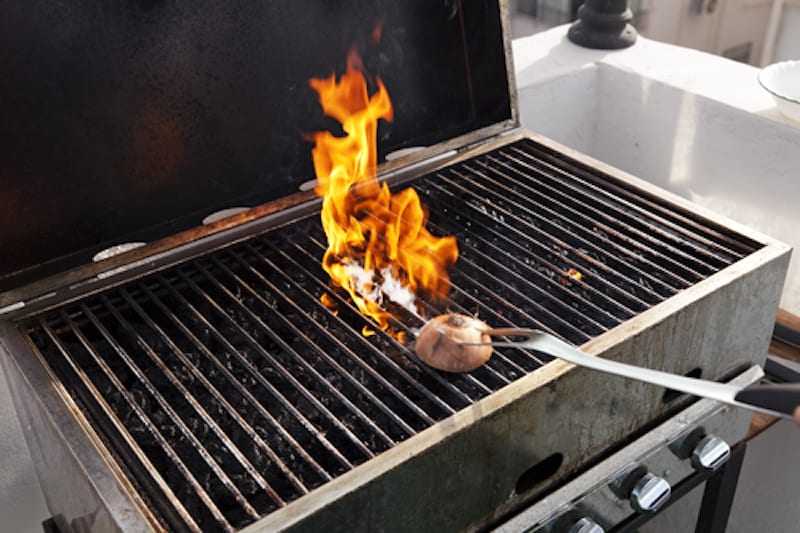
{"x": 782, "y": 80}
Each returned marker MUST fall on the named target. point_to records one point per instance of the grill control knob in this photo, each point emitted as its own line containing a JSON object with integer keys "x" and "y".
{"x": 710, "y": 453}
{"x": 586, "y": 525}
{"x": 650, "y": 493}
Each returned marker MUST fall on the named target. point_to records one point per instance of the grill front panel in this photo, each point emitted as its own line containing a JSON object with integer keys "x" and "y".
{"x": 226, "y": 389}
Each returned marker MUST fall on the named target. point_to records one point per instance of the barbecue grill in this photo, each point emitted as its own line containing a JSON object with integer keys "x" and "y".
{"x": 197, "y": 382}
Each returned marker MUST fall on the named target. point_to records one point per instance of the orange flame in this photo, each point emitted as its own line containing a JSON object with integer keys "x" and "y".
{"x": 377, "y": 242}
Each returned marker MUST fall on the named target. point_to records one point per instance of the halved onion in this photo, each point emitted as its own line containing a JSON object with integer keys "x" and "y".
{"x": 438, "y": 343}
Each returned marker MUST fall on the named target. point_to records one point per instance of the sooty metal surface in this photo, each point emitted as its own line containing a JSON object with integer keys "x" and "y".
{"x": 226, "y": 389}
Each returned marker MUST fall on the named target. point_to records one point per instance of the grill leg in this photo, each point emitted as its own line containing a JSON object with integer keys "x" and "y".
{"x": 715, "y": 508}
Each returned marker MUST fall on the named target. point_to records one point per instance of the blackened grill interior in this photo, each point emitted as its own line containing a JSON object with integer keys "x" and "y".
{"x": 227, "y": 390}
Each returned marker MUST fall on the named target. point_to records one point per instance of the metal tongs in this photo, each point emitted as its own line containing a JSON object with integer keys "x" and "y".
{"x": 773, "y": 399}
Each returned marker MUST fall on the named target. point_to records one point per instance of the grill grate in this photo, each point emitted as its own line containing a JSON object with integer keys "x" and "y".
{"x": 228, "y": 390}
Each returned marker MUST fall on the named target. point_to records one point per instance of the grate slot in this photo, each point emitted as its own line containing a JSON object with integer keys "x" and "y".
{"x": 250, "y": 375}
{"x": 222, "y": 487}
{"x": 285, "y": 381}
{"x": 624, "y": 203}
{"x": 331, "y": 340}
{"x": 227, "y": 412}
{"x": 299, "y": 353}
{"x": 670, "y": 261}
{"x": 143, "y": 422}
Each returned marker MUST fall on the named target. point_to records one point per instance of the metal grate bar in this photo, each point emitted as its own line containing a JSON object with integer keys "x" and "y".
{"x": 108, "y": 413}
{"x": 560, "y": 238}
{"x": 476, "y": 375}
{"x": 622, "y": 201}
{"x": 230, "y": 410}
{"x": 215, "y": 468}
{"x": 496, "y": 376}
{"x": 455, "y": 384}
{"x": 476, "y": 387}
{"x": 198, "y": 409}
{"x": 320, "y": 433}
{"x": 250, "y": 401}
{"x": 391, "y": 365}
{"x": 525, "y": 244}
{"x": 602, "y": 217}
{"x": 318, "y": 351}
{"x": 465, "y": 260}
{"x": 140, "y": 409}
{"x": 558, "y": 313}
{"x": 619, "y": 293}
{"x": 352, "y": 355}
{"x": 247, "y": 316}
{"x": 435, "y": 382}
{"x": 678, "y": 264}
{"x": 550, "y": 319}
{"x": 605, "y": 306}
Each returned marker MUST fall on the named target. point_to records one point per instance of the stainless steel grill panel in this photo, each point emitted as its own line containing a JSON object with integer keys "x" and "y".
{"x": 227, "y": 390}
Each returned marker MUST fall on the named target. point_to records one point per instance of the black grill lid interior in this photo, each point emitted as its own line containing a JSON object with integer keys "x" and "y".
{"x": 133, "y": 120}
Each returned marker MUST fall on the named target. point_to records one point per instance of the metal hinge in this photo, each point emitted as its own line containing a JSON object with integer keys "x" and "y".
{"x": 483, "y": 141}
{"x": 424, "y": 163}
{"x": 16, "y": 306}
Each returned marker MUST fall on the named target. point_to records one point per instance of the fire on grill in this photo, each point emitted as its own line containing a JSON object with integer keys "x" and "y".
{"x": 219, "y": 378}
{"x": 378, "y": 246}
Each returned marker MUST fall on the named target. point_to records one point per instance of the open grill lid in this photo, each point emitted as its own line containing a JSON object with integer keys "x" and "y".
{"x": 133, "y": 121}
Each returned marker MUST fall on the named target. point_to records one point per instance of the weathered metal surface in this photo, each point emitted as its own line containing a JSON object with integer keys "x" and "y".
{"x": 462, "y": 472}
{"x": 80, "y": 481}
{"x": 597, "y": 500}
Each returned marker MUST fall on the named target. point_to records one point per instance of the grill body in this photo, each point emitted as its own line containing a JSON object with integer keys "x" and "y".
{"x": 457, "y": 456}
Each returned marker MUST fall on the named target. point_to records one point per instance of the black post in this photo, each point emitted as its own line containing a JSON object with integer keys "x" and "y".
{"x": 715, "y": 508}
{"x": 604, "y": 25}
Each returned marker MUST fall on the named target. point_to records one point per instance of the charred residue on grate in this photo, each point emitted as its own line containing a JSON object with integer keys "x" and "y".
{"x": 228, "y": 390}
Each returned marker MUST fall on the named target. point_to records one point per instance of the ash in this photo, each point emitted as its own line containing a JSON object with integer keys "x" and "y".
{"x": 375, "y": 288}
